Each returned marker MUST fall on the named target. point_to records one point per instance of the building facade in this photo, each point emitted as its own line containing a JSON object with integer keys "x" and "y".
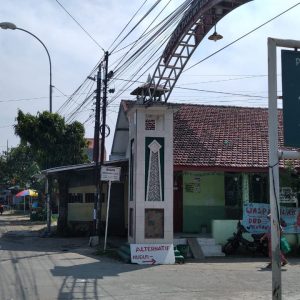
{"x": 220, "y": 162}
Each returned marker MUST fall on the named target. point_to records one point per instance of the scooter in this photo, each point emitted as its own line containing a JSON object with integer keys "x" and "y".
{"x": 255, "y": 246}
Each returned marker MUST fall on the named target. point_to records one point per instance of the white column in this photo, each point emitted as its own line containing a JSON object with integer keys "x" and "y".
{"x": 161, "y": 138}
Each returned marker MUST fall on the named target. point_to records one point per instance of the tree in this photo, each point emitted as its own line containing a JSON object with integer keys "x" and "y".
{"x": 3, "y": 172}
{"x": 17, "y": 166}
{"x": 54, "y": 143}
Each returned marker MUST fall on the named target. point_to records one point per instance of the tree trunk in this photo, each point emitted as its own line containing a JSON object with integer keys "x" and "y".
{"x": 62, "y": 222}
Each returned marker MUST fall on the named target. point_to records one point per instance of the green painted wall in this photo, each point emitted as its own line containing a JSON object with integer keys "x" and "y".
{"x": 203, "y": 200}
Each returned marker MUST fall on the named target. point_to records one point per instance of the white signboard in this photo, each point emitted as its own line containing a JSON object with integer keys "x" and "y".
{"x": 152, "y": 254}
{"x": 110, "y": 173}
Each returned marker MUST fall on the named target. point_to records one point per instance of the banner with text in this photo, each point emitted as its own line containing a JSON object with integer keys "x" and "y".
{"x": 255, "y": 218}
{"x": 152, "y": 254}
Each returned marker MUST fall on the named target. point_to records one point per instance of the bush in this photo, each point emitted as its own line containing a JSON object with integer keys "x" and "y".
{"x": 38, "y": 215}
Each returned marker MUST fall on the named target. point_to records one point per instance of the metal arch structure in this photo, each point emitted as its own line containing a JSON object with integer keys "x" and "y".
{"x": 196, "y": 22}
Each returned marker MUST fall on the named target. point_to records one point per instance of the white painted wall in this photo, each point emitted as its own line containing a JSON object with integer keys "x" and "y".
{"x": 164, "y": 129}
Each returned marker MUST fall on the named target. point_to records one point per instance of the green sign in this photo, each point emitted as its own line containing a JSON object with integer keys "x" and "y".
{"x": 290, "y": 61}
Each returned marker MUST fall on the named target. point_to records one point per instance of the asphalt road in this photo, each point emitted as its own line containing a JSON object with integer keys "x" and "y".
{"x": 54, "y": 268}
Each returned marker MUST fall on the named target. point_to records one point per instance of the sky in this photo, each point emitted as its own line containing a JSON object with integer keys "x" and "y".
{"x": 239, "y": 71}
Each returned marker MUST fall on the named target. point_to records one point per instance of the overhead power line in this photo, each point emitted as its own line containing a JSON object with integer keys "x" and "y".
{"x": 83, "y": 104}
{"x": 127, "y": 24}
{"x": 202, "y": 90}
{"x": 89, "y": 35}
{"x": 241, "y": 37}
{"x": 60, "y": 91}
{"x": 27, "y": 99}
{"x": 135, "y": 43}
{"x": 233, "y": 43}
{"x": 144, "y": 56}
{"x": 227, "y": 79}
{"x": 161, "y": 35}
{"x": 77, "y": 92}
{"x": 164, "y": 27}
{"x": 239, "y": 77}
{"x": 141, "y": 56}
{"x": 138, "y": 23}
{"x": 132, "y": 62}
{"x": 218, "y": 92}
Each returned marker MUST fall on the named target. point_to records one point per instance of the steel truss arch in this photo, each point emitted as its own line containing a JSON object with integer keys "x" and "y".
{"x": 197, "y": 21}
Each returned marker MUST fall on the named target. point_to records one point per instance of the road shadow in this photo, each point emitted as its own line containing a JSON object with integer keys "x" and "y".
{"x": 85, "y": 281}
{"x": 72, "y": 263}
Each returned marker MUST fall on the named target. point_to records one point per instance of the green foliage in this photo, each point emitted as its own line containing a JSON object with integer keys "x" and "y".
{"x": 289, "y": 177}
{"x": 17, "y": 166}
{"x": 38, "y": 215}
{"x": 53, "y": 142}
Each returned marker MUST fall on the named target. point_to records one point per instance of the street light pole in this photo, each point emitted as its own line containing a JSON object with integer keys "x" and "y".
{"x": 8, "y": 25}
{"x": 12, "y": 26}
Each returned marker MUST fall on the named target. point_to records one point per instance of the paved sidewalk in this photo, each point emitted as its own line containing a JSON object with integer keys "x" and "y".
{"x": 37, "y": 268}
{"x": 19, "y": 224}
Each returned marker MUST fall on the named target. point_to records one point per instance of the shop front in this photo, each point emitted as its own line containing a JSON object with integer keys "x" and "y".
{"x": 206, "y": 196}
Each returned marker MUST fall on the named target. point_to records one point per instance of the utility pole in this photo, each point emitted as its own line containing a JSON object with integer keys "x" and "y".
{"x": 290, "y": 96}
{"x": 104, "y": 104}
{"x": 96, "y": 148}
{"x": 103, "y": 127}
{"x": 48, "y": 205}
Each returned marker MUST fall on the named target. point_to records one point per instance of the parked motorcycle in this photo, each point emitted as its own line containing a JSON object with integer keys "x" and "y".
{"x": 255, "y": 246}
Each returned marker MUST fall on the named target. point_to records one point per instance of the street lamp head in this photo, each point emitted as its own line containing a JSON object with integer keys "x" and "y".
{"x": 8, "y": 25}
{"x": 12, "y": 26}
{"x": 215, "y": 36}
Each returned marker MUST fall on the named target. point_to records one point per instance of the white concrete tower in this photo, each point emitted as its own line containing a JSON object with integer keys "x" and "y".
{"x": 150, "y": 201}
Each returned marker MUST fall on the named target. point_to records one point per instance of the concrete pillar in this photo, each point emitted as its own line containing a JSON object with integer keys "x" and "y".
{"x": 150, "y": 201}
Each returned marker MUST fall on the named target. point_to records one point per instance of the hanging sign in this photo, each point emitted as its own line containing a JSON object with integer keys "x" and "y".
{"x": 290, "y": 61}
{"x": 110, "y": 173}
{"x": 152, "y": 254}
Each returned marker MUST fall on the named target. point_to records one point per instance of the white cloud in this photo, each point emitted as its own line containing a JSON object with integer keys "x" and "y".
{"x": 24, "y": 69}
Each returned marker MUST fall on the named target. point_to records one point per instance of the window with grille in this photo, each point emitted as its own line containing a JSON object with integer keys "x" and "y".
{"x": 150, "y": 124}
{"x": 233, "y": 196}
{"x": 75, "y": 198}
{"x": 89, "y": 197}
{"x": 259, "y": 188}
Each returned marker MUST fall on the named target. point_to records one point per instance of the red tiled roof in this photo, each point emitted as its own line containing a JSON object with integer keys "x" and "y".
{"x": 221, "y": 136}
{"x": 207, "y": 136}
